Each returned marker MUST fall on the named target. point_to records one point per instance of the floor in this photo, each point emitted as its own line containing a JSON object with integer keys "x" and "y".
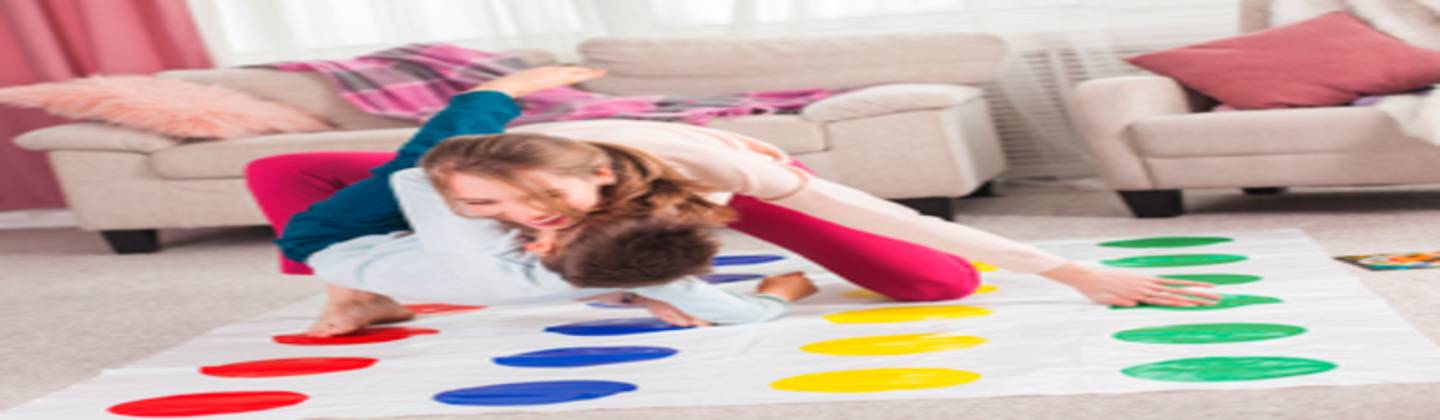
{"x": 76, "y": 309}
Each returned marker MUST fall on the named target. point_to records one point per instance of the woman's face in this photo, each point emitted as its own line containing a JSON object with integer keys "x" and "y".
{"x": 488, "y": 197}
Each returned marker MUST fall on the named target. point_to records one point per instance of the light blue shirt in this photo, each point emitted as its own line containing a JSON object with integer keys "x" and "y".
{"x": 481, "y": 262}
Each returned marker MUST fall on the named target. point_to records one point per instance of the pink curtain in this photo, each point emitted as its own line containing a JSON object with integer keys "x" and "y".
{"x": 53, "y": 40}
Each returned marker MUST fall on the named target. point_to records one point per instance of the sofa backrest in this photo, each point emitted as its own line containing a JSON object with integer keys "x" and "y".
{"x": 719, "y": 66}
{"x": 310, "y": 91}
{"x": 1254, "y": 15}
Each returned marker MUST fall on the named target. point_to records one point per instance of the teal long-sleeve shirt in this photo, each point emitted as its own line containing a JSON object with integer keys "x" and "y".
{"x": 368, "y": 207}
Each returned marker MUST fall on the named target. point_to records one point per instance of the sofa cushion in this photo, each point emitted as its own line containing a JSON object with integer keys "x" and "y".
{"x": 711, "y": 66}
{"x": 1271, "y": 132}
{"x": 173, "y": 107}
{"x": 790, "y": 133}
{"x": 227, "y": 159}
{"x": 306, "y": 91}
{"x": 1329, "y": 60}
{"x": 890, "y": 99}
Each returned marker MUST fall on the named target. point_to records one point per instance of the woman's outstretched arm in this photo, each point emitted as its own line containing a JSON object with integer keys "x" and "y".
{"x": 859, "y": 210}
{"x": 768, "y": 178}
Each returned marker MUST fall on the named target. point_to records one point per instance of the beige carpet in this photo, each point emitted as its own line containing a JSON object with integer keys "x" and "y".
{"x": 74, "y": 309}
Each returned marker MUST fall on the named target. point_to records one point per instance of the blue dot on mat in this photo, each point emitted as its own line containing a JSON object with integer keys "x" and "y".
{"x": 585, "y": 356}
{"x": 533, "y": 393}
{"x": 745, "y": 259}
{"x": 619, "y": 326}
{"x": 718, "y": 278}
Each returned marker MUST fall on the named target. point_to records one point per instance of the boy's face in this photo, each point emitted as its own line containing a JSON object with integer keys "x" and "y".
{"x": 478, "y": 196}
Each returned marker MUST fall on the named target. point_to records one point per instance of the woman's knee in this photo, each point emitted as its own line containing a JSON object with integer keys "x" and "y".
{"x": 938, "y": 283}
{"x": 276, "y": 165}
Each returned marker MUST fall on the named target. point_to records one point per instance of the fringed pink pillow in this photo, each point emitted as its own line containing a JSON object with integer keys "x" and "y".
{"x": 175, "y": 108}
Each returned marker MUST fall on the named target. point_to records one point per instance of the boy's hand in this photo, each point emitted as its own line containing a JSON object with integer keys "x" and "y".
{"x": 527, "y": 81}
{"x": 788, "y": 286}
{"x": 666, "y": 312}
{"x": 670, "y": 314}
{"x": 1124, "y": 288}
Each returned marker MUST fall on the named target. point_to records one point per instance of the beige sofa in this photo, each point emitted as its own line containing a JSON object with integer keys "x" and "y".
{"x": 914, "y": 129}
{"x": 1153, "y": 138}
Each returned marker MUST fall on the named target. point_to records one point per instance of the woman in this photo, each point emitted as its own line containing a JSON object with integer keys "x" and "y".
{"x": 355, "y": 212}
{"x": 849, "y": 232}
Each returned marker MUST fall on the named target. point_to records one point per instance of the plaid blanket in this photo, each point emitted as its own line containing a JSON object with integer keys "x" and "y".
{"x": 416, "y": 81}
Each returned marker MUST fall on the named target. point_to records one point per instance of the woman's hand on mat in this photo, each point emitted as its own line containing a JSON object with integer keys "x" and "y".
{"x": 789, "y": 286}
{"x": 527, "y": 81}
{"x": 1124, "y": 288}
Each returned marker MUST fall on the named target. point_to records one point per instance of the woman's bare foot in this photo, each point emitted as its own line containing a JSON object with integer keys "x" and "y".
{"x": 348, "y": 310}
{"x": 788, "y": 286}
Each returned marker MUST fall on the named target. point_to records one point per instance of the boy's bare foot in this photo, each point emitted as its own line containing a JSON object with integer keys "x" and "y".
{"x": 349, "y": 310}
{"x": 788, "y": 286}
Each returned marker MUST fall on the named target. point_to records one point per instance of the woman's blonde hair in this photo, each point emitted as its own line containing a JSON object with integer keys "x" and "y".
{"x": 644, "y": 186}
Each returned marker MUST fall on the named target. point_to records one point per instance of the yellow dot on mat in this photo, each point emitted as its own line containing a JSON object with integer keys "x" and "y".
{"x": 983, "y": 267}
{"x": 887, "y": 345}
{"x": 875, "y": 380}
{"x": 906, "y": 314}
{"x": 866, "y": 294}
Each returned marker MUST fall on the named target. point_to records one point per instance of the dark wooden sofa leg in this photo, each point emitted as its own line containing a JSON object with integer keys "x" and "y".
{"x": 1156, "y": 203}
{"x": 1265, "y": 191}
{"x": 942, "y": 207}
{"x": 986, "y": 190}
{"x": 137, "y": 241}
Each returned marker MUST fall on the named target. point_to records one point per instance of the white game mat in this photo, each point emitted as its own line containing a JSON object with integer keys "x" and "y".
{"x": 1299, "y": 319}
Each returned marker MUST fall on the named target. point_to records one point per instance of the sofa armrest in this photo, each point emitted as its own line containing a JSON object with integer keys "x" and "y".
{"x": 94, "y": 136}
{"x": 1104, "y": 110}
{"x": 889, "y": 99}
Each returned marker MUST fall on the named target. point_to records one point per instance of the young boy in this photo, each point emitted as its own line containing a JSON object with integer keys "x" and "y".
{"x": 459, "y": 260}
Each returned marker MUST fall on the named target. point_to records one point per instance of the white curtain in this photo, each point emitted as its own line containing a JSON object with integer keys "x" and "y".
{"x": 261, "y": 31}
{"x": 1055, "y": 44}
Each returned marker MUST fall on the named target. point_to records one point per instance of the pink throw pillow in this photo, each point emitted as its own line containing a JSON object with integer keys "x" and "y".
{"x": 175, "y": 108}
{"x": 1329, "y": 60}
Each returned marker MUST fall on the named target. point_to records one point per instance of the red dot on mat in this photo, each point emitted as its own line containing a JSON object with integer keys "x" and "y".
{"x": 208, "y": 403}
{"x": 288, "y": 367}
{"x": 365, "y": 335}
{"x": 440, "y": 308}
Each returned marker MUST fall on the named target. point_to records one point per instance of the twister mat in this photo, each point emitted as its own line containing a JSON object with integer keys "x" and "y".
{"x": 1291, "y": 317}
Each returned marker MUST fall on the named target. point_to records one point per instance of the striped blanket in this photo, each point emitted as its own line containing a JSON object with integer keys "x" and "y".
{"x": 414, "y": 82}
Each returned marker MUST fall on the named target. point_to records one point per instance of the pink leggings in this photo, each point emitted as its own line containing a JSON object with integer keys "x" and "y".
{"x": 285, "y": 185}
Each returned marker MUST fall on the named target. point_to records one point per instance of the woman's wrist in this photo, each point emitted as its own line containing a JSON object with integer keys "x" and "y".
{"x": 1068, "y": 274}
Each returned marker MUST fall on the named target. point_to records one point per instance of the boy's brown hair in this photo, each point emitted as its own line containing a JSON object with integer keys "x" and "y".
{"x": 633, "y": 252}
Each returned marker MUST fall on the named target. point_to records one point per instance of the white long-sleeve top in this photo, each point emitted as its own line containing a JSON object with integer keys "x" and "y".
{"x": 744, "y": 165}
{"x": 481, "y": 262}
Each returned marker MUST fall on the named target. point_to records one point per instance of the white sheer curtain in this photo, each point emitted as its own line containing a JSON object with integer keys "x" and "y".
{"x": 260, "y": 31}
{"x": 1055, "y": 44}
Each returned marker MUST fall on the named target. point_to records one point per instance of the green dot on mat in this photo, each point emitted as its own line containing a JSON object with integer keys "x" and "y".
{"x": 1227, "y": 369}
{"x": 1174, "y": 260}
{"x": 1167, "y": 242}
{"x": 1208, "y": 333}
{"x": 1215, "y": 279}
{"x": 1226, "y": 302}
